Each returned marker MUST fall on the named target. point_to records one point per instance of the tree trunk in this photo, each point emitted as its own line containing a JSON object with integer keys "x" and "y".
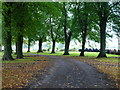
{"x": 7, "y": 34}
{"x": 66, "y": 51}
{"x": 28, "y": 45}
{"x": 53, "y": 46}
{"x": 67, "y": 44}
{"x": 52, "y": 36}
{"x": 102, "y": 38}
{"x": 40, "y": 45}
{"x": 7, "y": 47}
{"x": 84, "y": 34}
{"x": 103, "y": 16}
{"x": 84, "y": 30}
{"x": 67, "y": 37}
{"x": 19, "y": 46}
{"x": 83, "y": 47}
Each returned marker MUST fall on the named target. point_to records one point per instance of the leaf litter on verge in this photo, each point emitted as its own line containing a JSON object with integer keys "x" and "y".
{"x": 107, "y": 67}
{"x": 18, "y": 75}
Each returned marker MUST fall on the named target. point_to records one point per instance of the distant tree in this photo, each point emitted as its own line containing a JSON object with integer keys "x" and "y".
{"x": 67, "y": 31}
{"x": 20, "y": 16}
{"x": 55, "y": 31}
{"x": 84, "y": 24}
{"x": 84, "y": 27}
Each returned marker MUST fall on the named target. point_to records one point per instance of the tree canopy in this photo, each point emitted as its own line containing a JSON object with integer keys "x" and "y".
{"x": 57, "y": 22}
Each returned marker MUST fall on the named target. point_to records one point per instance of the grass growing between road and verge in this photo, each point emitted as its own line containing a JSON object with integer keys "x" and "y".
{"x": 18, "y": 73}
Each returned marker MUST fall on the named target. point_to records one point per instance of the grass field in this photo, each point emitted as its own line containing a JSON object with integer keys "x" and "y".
{"x": 87, "y": 54}
{"x": 1, "y": 54}
{"x": 90, "y": 54}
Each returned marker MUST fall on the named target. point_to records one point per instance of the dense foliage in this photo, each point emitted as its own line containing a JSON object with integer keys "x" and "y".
{"x": 57, "y": 22}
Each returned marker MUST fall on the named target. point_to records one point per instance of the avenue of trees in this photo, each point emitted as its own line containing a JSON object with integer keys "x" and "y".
{"x": 57, "y": 22}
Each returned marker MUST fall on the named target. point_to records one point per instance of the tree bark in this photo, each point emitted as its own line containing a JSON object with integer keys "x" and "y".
{"x": 20, "y": 25}
{"x": 67, "y": 44}
{"x": 103, "y": 15}
{"x": 53, "y": 37}
{"x": 19, "y": 46}
{"x": 28, "y": 45}
{"x": 66, "y": 51}
{"x": 83, "y": 47}
{"x": 7, "y": 47}
{"x": 7, "y": 37}
{"x": 84, "y": 34}
{"x": 102, "y": 38}
{"x": 40, "y": 45}
{"x": 53, "y": 46}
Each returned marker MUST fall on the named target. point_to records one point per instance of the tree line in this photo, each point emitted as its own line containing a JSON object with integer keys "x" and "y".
{"x": 57, "y": 22}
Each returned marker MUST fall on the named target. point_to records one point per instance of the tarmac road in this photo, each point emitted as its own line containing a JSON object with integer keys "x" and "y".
{"x": 70, "y": 73}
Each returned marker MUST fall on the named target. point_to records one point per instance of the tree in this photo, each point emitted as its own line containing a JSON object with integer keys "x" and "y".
{"x": 104, "y": 12}
{"x": 29, "y": 41}
{"x": 103, "y": 16}
{"x": 42, "y": 33}
{"x": 55, "y": 31}
{"x": 67, "y": 32}
{"x": 52, "y": 35}
{"x": 84, "y": 24}
{"x": 19, "y": 17}
{"x": 40, "y": 16}
{"x": 7, "y": 14}
{"x": 115, "y": 11}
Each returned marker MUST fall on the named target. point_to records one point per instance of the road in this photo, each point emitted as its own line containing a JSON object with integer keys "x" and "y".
{"x": 71, "y": 73}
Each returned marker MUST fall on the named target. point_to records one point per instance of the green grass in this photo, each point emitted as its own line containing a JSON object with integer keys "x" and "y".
{"x": 25, "y": 59}
{"x": 89, "y": 54}
{"x": 1, "y": 54}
